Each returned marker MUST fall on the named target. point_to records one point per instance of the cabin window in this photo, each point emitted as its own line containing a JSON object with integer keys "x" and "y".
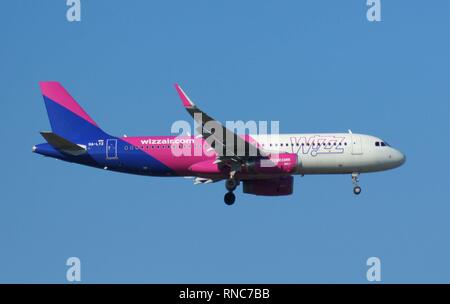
{"x": 377, "y": 144}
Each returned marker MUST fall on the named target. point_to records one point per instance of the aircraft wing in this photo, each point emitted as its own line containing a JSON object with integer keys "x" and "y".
{"x": 228, "y": 145}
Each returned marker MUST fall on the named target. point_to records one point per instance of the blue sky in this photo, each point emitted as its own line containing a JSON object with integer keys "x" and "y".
{"x": 316, "y": 66}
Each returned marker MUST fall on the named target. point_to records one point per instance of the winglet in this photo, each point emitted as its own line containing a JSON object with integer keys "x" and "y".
{"x": 187, "y": 103}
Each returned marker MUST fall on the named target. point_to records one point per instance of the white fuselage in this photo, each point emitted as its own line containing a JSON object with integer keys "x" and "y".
{"x": 334, "y": 153}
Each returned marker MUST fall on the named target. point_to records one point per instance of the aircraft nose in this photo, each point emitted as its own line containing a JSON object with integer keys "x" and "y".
{"x": 398, "y": 157}
{"x": 403, "y": 158}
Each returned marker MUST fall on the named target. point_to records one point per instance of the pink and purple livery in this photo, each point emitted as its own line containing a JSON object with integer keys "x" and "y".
{"x": 264, "y": 164}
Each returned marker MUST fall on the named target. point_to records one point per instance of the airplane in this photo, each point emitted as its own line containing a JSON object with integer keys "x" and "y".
{"x": 264, "y": 163}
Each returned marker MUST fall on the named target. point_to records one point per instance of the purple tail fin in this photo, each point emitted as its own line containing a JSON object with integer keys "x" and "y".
{"x": 67, "y": 117}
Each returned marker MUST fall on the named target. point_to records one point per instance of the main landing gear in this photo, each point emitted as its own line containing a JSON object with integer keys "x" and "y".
{"x": 229, "y": 198}
{"x": 231, "y": 185}
{"x": 355, "y": 181}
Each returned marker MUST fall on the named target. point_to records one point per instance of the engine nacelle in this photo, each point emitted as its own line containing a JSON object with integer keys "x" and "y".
{"x": 284, "y": 163}
{"x": 269, "y": 187}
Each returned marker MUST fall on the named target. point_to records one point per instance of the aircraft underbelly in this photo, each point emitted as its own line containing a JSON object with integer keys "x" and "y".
{"x": 333, "y": 164}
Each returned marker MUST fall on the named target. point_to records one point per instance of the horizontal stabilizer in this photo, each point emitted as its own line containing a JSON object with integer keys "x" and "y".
{"x": 63, "y": 144}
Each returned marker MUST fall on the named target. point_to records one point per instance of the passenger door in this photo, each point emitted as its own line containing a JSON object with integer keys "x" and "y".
{"x": 356, "y": 144}
{"x": 111, "y": 149}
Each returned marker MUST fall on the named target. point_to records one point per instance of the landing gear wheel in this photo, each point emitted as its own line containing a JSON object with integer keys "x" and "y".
{"x": 355, "y": 181}
{"x": 357, "y": 190}
{"x": 229, "y": 198}
{"x": 231, "y": 184}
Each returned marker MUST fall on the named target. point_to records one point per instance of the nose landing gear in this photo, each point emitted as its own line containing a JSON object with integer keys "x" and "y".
{"x": 355, "y": 181}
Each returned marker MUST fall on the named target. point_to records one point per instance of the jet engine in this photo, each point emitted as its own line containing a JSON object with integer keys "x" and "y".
{"x": 283, "y": 163}
{"x": 283, "y": 185}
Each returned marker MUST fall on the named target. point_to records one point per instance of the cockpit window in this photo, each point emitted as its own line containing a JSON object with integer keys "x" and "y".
{"x": 381, "y": 144}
